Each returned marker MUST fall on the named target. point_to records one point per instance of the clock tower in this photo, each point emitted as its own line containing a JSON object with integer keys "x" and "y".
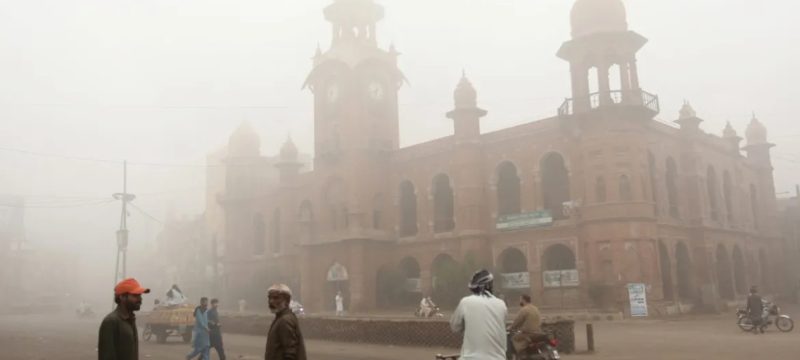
{"x": 355, "y": 86}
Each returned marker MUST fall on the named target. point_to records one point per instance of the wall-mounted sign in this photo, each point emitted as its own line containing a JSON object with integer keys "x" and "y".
{"x": 637, "y": 294}
{"x": 520, "y": 280}
{"x": 560, "y": 278}
{"x": 337, "y": 272}
{"x": 524, "y": 220}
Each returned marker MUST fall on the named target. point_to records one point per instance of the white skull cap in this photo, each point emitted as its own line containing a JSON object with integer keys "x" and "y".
{"x": 280, "y": 288}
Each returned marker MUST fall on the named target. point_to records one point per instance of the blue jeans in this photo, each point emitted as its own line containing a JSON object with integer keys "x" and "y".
{"x": 203, "y": 352}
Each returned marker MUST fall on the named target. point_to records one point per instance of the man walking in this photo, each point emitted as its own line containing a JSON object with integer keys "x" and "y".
{"x": 339, "y": 304}
{"x": 119, "y": 338}
{"x": 481, "y": 316}
{"x": 200, "y": 333}
{"x": 214, "y": 326}
{"x": 284, "y": 340}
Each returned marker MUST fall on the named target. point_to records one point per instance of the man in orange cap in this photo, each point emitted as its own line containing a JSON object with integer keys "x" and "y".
{"x": 119, "y": 339}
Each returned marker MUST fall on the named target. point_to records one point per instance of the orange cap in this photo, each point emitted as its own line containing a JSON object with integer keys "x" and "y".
{"x": 130, "y": 286}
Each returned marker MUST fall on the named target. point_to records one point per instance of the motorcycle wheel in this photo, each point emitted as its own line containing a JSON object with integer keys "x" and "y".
{"x": 784, "y": 324}
{"x": 745, "y": 324}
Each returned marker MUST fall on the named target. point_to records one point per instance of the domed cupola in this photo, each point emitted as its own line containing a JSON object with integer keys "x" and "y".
{"x": 244, "y": 141}
{"x": 598, "y": 16}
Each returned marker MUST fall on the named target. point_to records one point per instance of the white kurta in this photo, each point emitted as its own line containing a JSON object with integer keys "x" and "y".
{"x": 482, "y": 318}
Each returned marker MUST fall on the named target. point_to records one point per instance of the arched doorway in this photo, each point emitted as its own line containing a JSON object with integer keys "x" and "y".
{"x": 555, "y": 184}
{"x": 412, "y": 283}
{"x": 724, "y": 281}
{"x": 666, "y": 271}
{"x": 448, "y": 281}
{"x": 739, "y": 272}
{"x": 388, "y": 286}
{"x": 762, "y": 261}
{"x": 559, "y": 276}
{"x": 337, "y": 280}
{"x": 683, "y": 266}
{"x": 515, "y": 278}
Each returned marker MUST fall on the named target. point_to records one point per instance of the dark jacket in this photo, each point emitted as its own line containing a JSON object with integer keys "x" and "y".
{"x": 118, "y": 338}
{"x": 284, "y": 340}
{"x": 754, "y": 305}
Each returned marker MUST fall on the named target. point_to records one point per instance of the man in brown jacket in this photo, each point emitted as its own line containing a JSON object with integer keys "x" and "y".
{"x": 284, "y": 340}
{"x": 527, "y": 326}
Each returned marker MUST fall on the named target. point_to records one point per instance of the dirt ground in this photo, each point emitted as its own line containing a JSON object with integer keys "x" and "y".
{"x": 41, "y": 337}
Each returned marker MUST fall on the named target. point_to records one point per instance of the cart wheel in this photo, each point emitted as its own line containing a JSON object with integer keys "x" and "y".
{"x": 187, "y": 335}
{"x": 161, "y": 335}
{"x": 147, "y": 333}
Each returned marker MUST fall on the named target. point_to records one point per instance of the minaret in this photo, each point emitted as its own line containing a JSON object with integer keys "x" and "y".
{"x": 600, "y": 40}
{"x": 466, "y": 115}
{"x": 758, "y": 154}
{"x": 688, "y": 120}
{"x": 288, "y": 164}
{"x": 467, "y": 159}
{"x": 732, "y": 138}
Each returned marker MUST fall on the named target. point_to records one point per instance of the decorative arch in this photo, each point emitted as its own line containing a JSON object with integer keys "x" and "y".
{"x": 713, "y": 193}
{"x": 625, "y": 190}
{"x": 724, "y": 281}
{"x": 408, "y": 209}
{"x": 512, "y": 260}
{"x": 555, "y": 183}
{"x": 337, "y": 280}
{"x": 559, "y": 257}
{"x": 277, "y": 243}
{"x": 683, "y": 264}
{"x": 672, "y": 187}
{"x": 259, "y": 234}
{"x": 508, "y": 189}
{"x": 739, "y": 272}
{"x": 443, "y": 204}
{"x": 665, "y": 265}
{"x": 600, "y": 189}
{"x": 727, "y": 192}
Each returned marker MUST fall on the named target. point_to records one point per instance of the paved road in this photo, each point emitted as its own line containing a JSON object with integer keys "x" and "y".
{"x": 707, "y": 337}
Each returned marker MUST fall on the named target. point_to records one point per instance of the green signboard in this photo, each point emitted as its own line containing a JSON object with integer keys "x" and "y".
{"x": 524, "y": 220}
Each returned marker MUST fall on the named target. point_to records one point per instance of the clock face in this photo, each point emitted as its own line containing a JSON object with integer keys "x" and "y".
{"x": 332, "y": 93}
{"x": 376, "y": 91}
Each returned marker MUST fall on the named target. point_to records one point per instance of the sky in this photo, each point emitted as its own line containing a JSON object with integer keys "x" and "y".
{"x": 165, "y": 82}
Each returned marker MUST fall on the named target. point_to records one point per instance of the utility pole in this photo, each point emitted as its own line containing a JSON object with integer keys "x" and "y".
{"x": 122, "y": 233}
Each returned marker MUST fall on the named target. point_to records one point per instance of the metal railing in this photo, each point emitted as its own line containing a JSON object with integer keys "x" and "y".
{"x": 629, "y": 98}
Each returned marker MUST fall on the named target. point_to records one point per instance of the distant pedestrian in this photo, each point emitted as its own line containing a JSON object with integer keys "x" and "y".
{"x": 215, "y": 330}
{"x": 200, "y": 333}
{"x": 284, "y": 340}
{"x": 119, "y": 338}
{"x": 339, "y": 304}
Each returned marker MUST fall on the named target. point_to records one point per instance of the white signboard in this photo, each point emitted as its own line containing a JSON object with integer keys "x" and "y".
{"x": 413, "y": 285}
{"x": 560, "y": 278}
{"x": 520, "y": 280}
{"x": 337, "y": 272}
{"x": 637, "y": 294}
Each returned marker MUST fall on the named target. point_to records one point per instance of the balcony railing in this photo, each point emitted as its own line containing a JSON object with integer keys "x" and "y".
{"x": 616, "y": 98}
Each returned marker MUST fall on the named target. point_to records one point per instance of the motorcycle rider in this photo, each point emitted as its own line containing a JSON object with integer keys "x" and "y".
{"x": 527, "y": 326}
{"x": 425, "y": 307}
{"x": 481, "y": 316}
{"x": 755, "y": 309}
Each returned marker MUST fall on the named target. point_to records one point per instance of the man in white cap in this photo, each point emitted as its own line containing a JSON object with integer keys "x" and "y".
{"x": 284, "y": 340}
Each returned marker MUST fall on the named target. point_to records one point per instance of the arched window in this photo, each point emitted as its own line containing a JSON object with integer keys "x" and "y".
{"x": 305, "y": 216}
{"x": 259, "y": 234}
{"x": 651, "y": 167}
{"x": 559, "y": 257}
{"x": 728, "y": 193}
{"x": 684, "y": 269}
{"x": 276, "y": 231}
{"x": 335, "y": 196}
{"x": 739, "y": 271}
{"x": 377, "y": 211}
{"x": 754, "y": 205}
{"x": 672, "y": 188}
{"x": 625, "y": 192}
{"x": 555, "y": 184}
{"x": 713, "y": 193}
{"x": 724, "y": 281}
{"x": 408, "y": 209}
{"x": 600, "y": 190}
{"x": 442, "y": 204}
{"x": 508, "y": 189}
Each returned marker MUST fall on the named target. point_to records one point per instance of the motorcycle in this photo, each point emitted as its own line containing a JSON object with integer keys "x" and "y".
{"x": 771, "y": 315}
{"x": 297, "y": 308}
{"x": 435, "y": 312}
{"x": 543, "y": 348}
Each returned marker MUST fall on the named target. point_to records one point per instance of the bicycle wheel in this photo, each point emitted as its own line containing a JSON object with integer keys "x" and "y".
{"x": 784, "y": 324}
{"x": 147, "y": 333}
